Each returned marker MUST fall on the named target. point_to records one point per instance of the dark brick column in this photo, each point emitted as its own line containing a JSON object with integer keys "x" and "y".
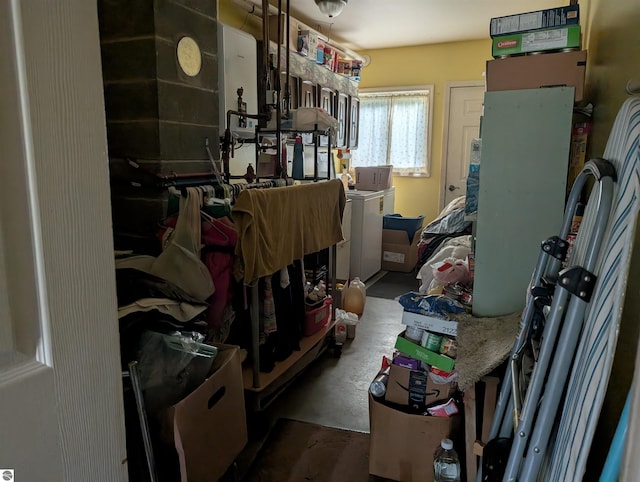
{"x": 156, "y": 114}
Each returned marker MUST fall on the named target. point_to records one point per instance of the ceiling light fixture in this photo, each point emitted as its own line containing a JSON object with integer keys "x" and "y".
{"x": 331, "y": 8}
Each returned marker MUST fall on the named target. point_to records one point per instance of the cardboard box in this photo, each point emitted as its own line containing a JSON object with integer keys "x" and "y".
{"x": 307, "y": 44}
{"x": 431, "y": 323}
{"x": 418, "y": 352}
{"x": 537, "y": 41}
{"x": 398, "y": 252}
{"x": 209, "y": 425}
{"x": 399, "y": 382}
{"x": 535, "y": 71}
{"x": 522, "y": 22}
{"x": 373, "y": 178}
{"x": 402, "y": 445}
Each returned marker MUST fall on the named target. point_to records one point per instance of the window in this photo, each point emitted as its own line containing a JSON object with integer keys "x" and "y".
{"x": 395, "y": 128}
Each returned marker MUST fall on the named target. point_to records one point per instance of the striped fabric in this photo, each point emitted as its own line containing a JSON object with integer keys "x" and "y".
{"x": 567, "y": 453}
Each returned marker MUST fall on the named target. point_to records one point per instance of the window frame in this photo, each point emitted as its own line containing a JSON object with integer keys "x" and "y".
{"x": 396, "y": 90}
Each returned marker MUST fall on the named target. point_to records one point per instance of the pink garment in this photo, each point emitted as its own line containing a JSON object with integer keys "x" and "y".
{"x": 219, "y": 238}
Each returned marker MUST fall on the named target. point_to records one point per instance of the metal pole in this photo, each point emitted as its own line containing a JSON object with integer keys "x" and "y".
{"x": 142, "y": 416}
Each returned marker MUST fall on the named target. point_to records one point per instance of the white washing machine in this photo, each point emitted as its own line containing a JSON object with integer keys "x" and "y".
{"x": 367, "y": 208}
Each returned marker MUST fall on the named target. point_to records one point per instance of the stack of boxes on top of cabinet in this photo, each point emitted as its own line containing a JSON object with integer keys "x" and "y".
{"x": 543, "y": 49}
{"x": 537, "y": 49}
{"x": 414, "y": 402}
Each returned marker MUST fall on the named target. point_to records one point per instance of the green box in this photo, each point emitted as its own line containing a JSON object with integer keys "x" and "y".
{"x": 536, "y": 41}
{"x": 418, "y": 352}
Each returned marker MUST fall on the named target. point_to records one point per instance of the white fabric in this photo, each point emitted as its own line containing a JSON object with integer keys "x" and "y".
{"x": 458, "y": 248}
{"x": 394, "y": 130}
{"x": 567, "y": 453}
{"x": 180, "y": 262}
{"x": 178, "y": 310}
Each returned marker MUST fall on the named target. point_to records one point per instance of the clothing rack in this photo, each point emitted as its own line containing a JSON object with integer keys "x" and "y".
{"x": 225, "y": 191}
{"x": 312, "y": 223}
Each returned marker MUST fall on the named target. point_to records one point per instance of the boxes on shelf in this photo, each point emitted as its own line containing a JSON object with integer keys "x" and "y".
{"x": 535, "y": 71}
{"x": 400, "y": 380}
{"x": 537, "y": 41}
{"x": 320, "y": 53}
{"x": 373, "y": 178}
{"x": 540, "y": 19}
{"x": 344, "y": 66}
{"x": 399, "y": 252}
{"x": 577, "y": 154}
{"x": 401, "y": 445}
{"x": 315, "y": 319}
{"x": 430, "y": 323}
{"x": 307, "y": 43}
{"x": 330, "y": 58}
{"x": 418, "y": 352}
{"x": 211, "y": 420}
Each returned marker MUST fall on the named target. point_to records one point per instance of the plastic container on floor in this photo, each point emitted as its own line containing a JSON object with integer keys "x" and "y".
{"x": 354, "y": 297}
{"x": 446, "y": 464}
{"x": 401, "y": 223}
{"x": 317, "y": 318}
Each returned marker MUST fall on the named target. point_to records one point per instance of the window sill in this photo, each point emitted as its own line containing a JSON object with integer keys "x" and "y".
{"x": 409, "y": 175}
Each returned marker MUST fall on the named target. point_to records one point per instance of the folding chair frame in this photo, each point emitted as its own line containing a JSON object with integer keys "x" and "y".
{"x": 533, "y": 420}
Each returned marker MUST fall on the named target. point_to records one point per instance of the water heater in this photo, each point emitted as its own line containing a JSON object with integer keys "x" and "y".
{"x": 238, "y": 67}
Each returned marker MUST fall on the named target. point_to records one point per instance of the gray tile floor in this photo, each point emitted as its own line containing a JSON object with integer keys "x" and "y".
{"x": 334, "y": 391}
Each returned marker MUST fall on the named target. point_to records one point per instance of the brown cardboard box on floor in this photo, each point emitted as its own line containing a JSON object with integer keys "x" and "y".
{"x": 398, "y": 387}
{"x": 398, "y": 252}
{"x": 209, "y": 425}
{"x": 402, "y": 445}
{"x": 535, "y": 71}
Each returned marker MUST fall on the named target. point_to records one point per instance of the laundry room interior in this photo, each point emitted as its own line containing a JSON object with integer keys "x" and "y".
{"x": 320, "y": 240}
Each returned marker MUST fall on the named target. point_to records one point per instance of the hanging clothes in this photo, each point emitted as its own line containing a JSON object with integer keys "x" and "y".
{"x": 180, "y": 261}
{"x": 219, "y": 237}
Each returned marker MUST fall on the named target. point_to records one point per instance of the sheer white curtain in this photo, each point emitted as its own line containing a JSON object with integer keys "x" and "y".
{"x": 394, "y": 130}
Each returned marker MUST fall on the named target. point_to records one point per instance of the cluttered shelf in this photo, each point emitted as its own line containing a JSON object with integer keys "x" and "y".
{"x": 288, "y": 368}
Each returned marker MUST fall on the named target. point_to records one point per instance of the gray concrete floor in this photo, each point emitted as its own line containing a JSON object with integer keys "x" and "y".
{"x": 334, "y": 391}
{"x": 331, "y": 391}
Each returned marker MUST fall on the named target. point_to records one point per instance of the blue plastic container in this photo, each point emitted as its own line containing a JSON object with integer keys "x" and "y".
{"x": 399, "y": 222}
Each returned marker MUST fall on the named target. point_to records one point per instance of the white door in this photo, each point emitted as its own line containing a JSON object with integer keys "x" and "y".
{"x": 61, "y": 414}
{"x": 463, "y": 108}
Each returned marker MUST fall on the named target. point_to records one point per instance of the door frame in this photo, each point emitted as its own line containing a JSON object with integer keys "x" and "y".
{"x": 448, "y": 87}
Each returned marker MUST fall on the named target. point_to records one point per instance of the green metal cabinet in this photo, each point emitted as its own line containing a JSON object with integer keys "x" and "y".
{"x": 526, "y": 138}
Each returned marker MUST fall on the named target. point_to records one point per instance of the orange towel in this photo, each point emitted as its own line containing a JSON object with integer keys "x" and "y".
{"x": 279, "y": 225}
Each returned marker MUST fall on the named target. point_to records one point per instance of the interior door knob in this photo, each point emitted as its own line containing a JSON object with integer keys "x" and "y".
{"x": 452, "y": 187}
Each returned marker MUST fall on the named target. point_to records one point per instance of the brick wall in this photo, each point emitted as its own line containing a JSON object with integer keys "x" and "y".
{"x": 156, "y": 114}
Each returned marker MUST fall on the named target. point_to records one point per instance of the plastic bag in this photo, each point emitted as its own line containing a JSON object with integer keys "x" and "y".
{"x": 346, "y": 317}
{"x": 451, "y": 270}
{"x": 169, "y": 373}
{"x": 439, "y": 306}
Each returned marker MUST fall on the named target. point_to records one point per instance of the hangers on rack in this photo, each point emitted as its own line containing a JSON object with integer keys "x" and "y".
{"x": 205, "y": 216}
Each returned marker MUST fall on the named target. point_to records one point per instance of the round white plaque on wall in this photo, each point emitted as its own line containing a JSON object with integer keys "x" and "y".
{"x": 189, "y": 56}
